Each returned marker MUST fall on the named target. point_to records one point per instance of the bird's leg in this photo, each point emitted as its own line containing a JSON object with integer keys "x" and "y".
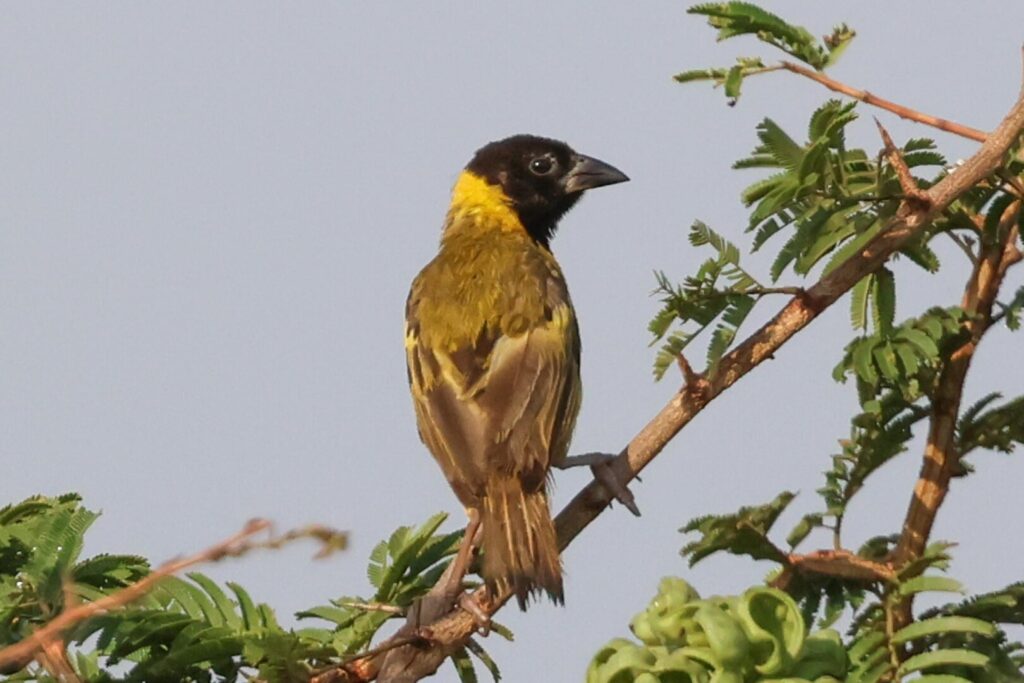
{"x": 460, "y": 565}
{"x": 448, "y": 588}
{"x": 464, "y": 557}
{"x": 601, "y": 465}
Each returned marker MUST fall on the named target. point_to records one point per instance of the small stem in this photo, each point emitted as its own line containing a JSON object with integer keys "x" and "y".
{"x": 860, "y": 197}
{"x": 373, "y": 607}
{"x": 898, "y": 109}
{"x": 959, "y": 241}
{"x": 1013, "y": 181}
{"x": 889, "y": 605}
{"x": 763, "y": 291}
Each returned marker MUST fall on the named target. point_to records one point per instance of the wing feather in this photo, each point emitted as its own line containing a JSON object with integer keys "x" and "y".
{"x": 499, "y": 402}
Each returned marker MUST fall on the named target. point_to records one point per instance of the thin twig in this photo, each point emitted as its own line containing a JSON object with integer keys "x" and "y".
{"x": 1013, "y": 181}
{"x": 763, "y": 291}
{"x": 331, "y": 540}
{"x": 55, "y": 629}
{"x": 966, "y": 248}
{"x": 42, "y": 639}
{"x": 898, "y": 109}
{"x": 372, "y": 607}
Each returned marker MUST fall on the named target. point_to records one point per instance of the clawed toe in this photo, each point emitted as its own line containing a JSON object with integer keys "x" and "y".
{"x": 483, "y": 620}
{"x": 605, "y": 474}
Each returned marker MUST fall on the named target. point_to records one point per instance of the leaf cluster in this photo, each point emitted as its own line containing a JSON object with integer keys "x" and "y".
{"x": 757, "y": 636}
{"x": 720, "y": 290}
{"x": 962, "y": 641}
{"x": 733, "y": 19}
{"x": 829, "y": 201}
{"x": 903, "y": 359}
{"x": 192, "y": 628}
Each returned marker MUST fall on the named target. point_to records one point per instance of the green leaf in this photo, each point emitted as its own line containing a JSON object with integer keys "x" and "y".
{"x": 742, "y": 18}
{"x": 951, "y": 657}
{"x": 481, "y": 654}
{"x": 1011, "y": 310}
{"x": 937, "y": 626}
{"x": 837, "y": 43}
{"x": 782, "y": 147}
{"x": 251, "y": 617}
{"x": 860, "y": 300}
{"x": 225, "y": 607}
{"x": 190, "y": 600}
{"x": 733, "y": 81}
{"x": 999, "y": 429}
{"x": 928, "y": 583}
{"x": 738, "y": 310}
{"x": 922, "y": 341}
{"x": 463, "y": 666}
{"x": 701, "y": 75}
{"x": 884, "y": 300}
{"x": 1004, "y": 606}
{"x": 744, "y": 532}
{"x": 807, "y": 524}
{"x": 201, "y": 653}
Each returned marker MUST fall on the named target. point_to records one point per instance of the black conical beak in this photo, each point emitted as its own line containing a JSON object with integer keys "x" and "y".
{"x": 589, "y": 173}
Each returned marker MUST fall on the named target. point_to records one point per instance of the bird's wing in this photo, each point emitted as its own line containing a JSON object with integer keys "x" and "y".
{"x": 502, "y": 403}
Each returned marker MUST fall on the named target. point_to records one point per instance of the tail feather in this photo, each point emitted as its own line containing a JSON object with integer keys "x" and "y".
{"x": 519, "y": 542}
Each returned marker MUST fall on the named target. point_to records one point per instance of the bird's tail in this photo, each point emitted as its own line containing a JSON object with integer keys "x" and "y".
{"x": 519, "y": 542}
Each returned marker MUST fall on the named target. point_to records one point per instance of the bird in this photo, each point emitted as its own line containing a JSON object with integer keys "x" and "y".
{"x": 493, "y": 354}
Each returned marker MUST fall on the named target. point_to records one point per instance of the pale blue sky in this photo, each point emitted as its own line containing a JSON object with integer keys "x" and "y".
{"x": 211, "y": 213}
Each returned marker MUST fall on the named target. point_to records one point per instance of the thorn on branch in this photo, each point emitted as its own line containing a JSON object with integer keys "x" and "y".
{"x": 916, "y": 198}
{"x": 693, "y": 381}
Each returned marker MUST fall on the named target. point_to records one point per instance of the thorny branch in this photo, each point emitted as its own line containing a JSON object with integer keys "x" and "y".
{"x": 450, "y": 632}
{"x": 48, "y": 640}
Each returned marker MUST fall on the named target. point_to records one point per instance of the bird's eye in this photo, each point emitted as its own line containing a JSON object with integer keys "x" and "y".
{"x": 542, "y": 165}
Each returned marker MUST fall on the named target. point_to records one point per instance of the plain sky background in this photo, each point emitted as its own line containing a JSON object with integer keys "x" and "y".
{"x": 210, "y": 214}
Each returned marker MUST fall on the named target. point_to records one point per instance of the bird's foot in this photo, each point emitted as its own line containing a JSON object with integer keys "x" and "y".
{"x": 469, "y": 604}
{"x": 601, "y": 465}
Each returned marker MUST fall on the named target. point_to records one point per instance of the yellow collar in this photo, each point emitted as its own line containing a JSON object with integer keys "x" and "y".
{"x": 479, "y": 206}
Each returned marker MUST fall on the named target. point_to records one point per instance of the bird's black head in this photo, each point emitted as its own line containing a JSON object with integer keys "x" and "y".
{"x": 542, "y": 178}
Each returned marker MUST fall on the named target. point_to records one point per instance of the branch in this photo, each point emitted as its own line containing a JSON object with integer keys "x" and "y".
{"x": 898, "y": 109}
{"x": 940, "y": 457}
{"x": 16, "y": 656}
{"x": 450, "y": 632}
{"x": 840, "y": 564}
